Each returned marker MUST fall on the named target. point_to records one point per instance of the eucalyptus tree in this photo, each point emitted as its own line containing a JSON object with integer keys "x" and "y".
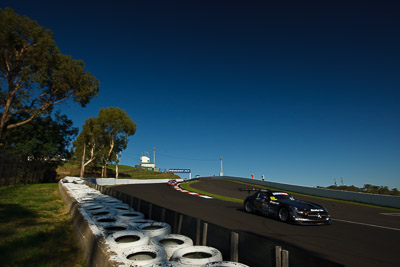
{"x": 34, "y": 74}
{"x": 89, "y": 144}
{"x": 117, "y": 126}
{"x": 104, "y": 137}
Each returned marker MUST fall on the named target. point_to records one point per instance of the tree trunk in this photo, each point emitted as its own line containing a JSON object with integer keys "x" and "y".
{"x": 104, "y": 169}
{"x": 116, "y": 165}
{"x": 83, "y": 162}
{"x": 108, "y": 156}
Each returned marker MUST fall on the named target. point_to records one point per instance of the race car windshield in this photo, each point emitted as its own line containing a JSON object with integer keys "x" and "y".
{"x": 279, "y": 195}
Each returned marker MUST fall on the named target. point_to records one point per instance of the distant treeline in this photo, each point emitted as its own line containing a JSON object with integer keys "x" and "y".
{"x": 368, "y": 188}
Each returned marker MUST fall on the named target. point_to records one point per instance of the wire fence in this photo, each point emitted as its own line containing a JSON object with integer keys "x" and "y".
{"x": 17, "y": 170}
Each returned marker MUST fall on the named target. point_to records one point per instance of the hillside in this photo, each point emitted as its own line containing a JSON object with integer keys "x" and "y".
{"x": 125, "y": 172}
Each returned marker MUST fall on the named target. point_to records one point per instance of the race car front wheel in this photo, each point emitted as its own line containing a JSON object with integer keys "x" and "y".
{"x": 283, "y": 214}
{"x": 248, "y": 207}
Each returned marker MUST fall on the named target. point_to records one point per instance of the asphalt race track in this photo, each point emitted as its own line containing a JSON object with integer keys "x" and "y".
{"x": 359, "y": 236}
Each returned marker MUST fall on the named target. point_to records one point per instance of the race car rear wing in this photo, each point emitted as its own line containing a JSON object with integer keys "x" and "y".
{"x": 248, "y": 190}
{"x": 252, "y": 189}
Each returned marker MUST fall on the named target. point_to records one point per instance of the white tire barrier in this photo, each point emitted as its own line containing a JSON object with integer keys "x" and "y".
{"x": 110, "y": 228}
{"x": 86, "y": 199}
{"x": 111, "y": 201}
{"x": 102, "y": 212}
{"x": 121, "y": 208}
{"x": 225, "y": 264}
{"x": 171, "y": 242}
{"x": 69, "y": 179}
{"x": 127, "y": 238}
{"x": 136, "y": 223}
{"x": 165, "y": 264}
{"x": 143, "y": 255}
{"x": 105, "y": 219}
{"x": 92, "y": 207}
{"x": 154, "y": 228}
{"x": 196, "y": 255}
{"x": 130, "y": 215}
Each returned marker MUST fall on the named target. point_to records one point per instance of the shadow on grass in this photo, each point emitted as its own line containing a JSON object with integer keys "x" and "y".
{"x": 28, "y": 240}
{"x": 18, "y": 216}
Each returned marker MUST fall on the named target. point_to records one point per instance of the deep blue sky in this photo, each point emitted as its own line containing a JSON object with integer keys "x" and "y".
{"x": 301, "y": 91}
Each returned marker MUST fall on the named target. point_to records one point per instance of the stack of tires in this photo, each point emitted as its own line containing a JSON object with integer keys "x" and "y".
{"x": 138, "y": 241}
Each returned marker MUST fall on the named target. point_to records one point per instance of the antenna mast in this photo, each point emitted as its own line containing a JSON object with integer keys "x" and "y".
{"x": 154, "y": 156}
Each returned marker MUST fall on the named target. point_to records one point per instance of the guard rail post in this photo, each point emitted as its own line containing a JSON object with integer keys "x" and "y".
{"x": 234, "y": 247}
{"x": 281, "y": 257}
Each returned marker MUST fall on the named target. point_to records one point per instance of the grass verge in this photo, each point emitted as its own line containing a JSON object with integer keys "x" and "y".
{"x": 189, "y": 188}
{"x": 36, "y": 228}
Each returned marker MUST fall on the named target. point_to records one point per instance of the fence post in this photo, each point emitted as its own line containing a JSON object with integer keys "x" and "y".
{"x": 278, "y": 256}
{"x": 198, "y": 225}
{"x": 180, "y": 224}
{"x": 281, "y": 257}
{"x": 285, "y": 258}
{"x": 162, "y": 215}
{"x": 205, "y": 229}
{"x": 150, "y": 210}
{"x": 234, "y": 247}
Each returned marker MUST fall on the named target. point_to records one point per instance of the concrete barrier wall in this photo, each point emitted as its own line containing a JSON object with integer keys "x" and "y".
{"x": 380, "y": 200}
{"x": 113, "y": 181}
{"x": 246, "y": 248}
{"x": 95, "y": 251}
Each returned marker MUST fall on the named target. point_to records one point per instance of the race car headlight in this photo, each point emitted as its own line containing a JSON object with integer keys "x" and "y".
{"x": 300, "y": 211}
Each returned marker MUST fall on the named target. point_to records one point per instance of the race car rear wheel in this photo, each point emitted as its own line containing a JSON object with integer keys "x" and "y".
{"x": 248, "y": 207}
{"x": 283, "y": 214}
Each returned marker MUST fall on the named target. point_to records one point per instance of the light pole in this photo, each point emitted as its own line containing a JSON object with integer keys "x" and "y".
{"x": 222, "y": 169}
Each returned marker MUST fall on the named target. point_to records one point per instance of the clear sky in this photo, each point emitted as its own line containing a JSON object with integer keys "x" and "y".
{"x": 301, "y": 91}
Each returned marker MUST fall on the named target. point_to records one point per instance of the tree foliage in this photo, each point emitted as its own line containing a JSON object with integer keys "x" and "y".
{"x": 103, "y": 137}
{"x": 368, "y": 188}
{"x": 34, "y": 74}
{"x": 44, "y": 139}
{"x": 117, "y": 126}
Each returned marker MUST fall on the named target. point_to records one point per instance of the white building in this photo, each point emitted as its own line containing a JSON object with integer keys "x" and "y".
{"x": 146, "y": 164}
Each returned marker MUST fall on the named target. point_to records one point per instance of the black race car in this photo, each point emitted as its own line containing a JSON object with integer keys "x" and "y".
{"x": 285, "y": 207}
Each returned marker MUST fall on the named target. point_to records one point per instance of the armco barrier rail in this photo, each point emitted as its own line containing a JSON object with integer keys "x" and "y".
{"x": 380, "y": 200}
{"x": 247, "y": 248}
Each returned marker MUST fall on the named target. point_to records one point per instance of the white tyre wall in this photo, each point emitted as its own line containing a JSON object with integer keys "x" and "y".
{"x": 110, "y": 228}
{"x": 100, "y": 220}
{"x": 143, "y": 255}
{"x": 69, "y": 179}
{"x": 102, "y": 197}
{"x": 225, "y": 264}
{"x": 165, "y": 264}
{"x": 136, "y": 223}
{"x": 121, "y": 208}
{"x": 92, "y": 207}
{"x": 127, "y": 238}
{"x": 154, "y": 228}
{"x": 171, "y": 242}
{"x": 130, "y": 215}
{"x": 87, "y": 198}
{"x": 102, "y": 212}
{"x": 196, "y": 255}
{"x": 111, "y": 201}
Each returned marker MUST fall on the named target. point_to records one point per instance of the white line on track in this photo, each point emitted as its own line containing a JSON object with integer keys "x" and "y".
{"x": 366, "y": 224}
